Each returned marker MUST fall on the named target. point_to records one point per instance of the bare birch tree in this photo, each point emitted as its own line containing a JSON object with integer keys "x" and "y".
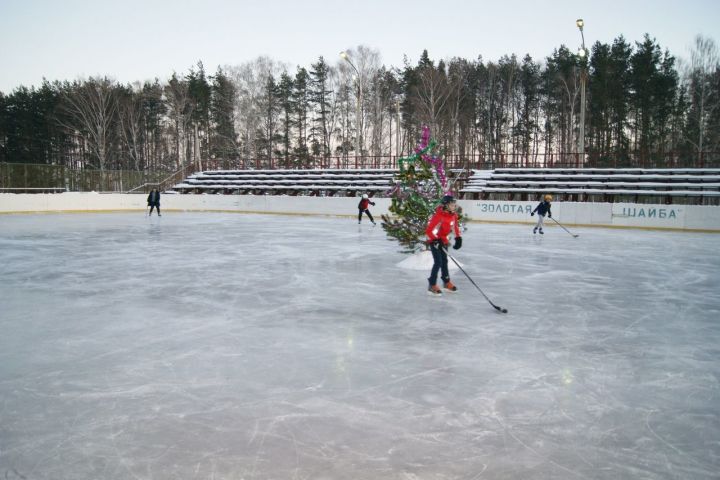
{"x": 177, "y": 95}
{"x": 432, "y": 96}
{"x": 368, "y": 62}
{"x": 130, "y": 110}
{"x": 90, "y": 108}
{"x": 699, "y": 75}
{"x": 250, "y": 80}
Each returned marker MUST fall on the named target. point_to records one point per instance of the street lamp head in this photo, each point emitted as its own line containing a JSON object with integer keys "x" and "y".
{"x": 580, "y": 23}
{"x": 346, "y": 56}
{"x": 581, "y": 52}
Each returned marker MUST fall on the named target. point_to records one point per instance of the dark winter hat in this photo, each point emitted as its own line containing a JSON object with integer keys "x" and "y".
{"x": 447, "y": 199}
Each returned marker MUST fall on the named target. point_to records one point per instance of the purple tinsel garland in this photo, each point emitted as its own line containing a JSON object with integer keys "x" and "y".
{"x": 436, "y": 162}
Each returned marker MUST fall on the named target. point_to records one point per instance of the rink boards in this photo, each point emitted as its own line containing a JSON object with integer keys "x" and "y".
{"x": 674, "y": 217}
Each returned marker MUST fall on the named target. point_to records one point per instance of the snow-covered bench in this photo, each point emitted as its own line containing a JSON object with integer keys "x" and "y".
{"x": 294, "y": 182}
{"x": 596, "y": 184}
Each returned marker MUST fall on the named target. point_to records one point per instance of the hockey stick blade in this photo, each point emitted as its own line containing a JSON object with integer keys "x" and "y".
{"x": 568, "y": 231}
{"x": 499, "y": 309}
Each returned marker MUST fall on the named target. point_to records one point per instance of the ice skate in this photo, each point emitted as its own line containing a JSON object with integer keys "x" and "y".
{"x": 434, "y": 290}
{"x": 534, "y": 230}
{"x": 541, "y": 232}
{"x": 450, "y": 286}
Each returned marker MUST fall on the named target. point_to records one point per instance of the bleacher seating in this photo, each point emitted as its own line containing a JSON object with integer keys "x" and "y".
{"x": 326, "y": 182}
{"x": 634, "y": 185}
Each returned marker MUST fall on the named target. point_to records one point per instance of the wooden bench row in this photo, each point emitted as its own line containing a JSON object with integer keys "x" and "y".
{"x": 604, "y": 178}
{"x": 185, "y": 187}
{"x": 314, "y": 181}
{"x": 612, "y": 171}
{"x": 272, "y": 183}
{"x": 593, "y": 184}
{"x": 365, "y": 171}
{"x": 699, "y": 183}
{"x": 598, "y": 191}
{"x": 286, "y": 179}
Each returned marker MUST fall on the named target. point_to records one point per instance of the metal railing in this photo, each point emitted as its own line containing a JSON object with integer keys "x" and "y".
{"x": 34, "y": 190}
{"x": 709, "y": 159}
{"x": 167, "y": 182}
{"x": 39, "y": 178}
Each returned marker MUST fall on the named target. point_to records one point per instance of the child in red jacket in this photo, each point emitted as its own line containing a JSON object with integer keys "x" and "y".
{"x": 440, "y": 225}
{"x": 363, "y": 208}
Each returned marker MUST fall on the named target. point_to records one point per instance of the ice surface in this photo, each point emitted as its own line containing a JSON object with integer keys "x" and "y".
{"x": 233, "y": 346}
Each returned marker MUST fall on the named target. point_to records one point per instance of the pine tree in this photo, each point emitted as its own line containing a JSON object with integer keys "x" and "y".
{"x": 420, "y": 186}
{"x": 269, "y": 107}
{"x": 320, "y": 95}
{"x": 301, "y": 109}
{"x": 222, "y": 112}
{"x": 285, "y": 91}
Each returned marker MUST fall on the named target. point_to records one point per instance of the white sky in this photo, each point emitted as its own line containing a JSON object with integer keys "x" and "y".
{"x": 137, "y": 40}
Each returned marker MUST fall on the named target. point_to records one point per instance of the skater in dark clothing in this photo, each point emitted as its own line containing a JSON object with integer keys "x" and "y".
{"x": 440, "y": 225}
{"x": 542, "y": 208}
{"x": 153, "y": 201}
{"x": 363, "y": 208}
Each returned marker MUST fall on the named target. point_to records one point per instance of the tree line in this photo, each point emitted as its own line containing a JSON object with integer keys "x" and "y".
{"x": 644, "y": 108}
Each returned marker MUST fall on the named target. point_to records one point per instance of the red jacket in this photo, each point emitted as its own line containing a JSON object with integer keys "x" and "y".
{"x": 363, "y": 205}
{"x": 440, "y": 225}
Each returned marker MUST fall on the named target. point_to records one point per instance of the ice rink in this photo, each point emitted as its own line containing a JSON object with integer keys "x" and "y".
{"x": 232, "y": 346}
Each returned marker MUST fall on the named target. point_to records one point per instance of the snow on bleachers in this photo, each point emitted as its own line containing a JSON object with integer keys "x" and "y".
{"x": 635, "y": 182}
{"x": 592, "y": 184}
{"x": 317, "y": 182}
{"x": 595, "y": 191}
{"x": 611, "y": 171}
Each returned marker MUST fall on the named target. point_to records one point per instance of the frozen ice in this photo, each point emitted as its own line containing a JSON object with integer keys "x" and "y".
{"x": 234, "y": 346}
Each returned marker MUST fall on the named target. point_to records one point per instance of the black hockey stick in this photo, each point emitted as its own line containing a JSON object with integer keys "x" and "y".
{"x": 499, "y": 309}
{"x": 575, "y": 236}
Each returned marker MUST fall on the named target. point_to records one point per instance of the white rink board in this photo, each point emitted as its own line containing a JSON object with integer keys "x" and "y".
{"x": 681, "y": 217}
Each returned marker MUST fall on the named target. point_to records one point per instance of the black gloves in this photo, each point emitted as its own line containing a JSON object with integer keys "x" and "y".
{"x": 372, "y": 203}
{"x": 437, "y": 243}
{"x": 458, "y": 243}
{"x": 532, "y": 214}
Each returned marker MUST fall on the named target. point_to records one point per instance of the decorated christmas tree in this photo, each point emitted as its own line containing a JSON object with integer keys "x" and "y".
{"x": 419, "y": 186}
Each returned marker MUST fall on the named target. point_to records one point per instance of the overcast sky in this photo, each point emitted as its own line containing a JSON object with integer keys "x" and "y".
{"x": 137, "y": 40}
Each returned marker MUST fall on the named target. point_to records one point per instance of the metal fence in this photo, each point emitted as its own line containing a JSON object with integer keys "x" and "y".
{"x": 19, "y": 177}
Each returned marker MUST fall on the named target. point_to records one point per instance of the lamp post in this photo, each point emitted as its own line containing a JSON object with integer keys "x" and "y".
{"x": 346, "y": 57}
{"x": 582, "y": 53}
{"x": 196, "y": 150}
{"x": 399, "y": 129}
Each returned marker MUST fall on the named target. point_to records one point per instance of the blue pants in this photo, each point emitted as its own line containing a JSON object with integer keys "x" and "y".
{"x": 440, "y": 263}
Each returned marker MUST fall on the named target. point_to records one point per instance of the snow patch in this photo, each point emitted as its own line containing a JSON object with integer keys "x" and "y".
{"x": 423, "y": 261}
